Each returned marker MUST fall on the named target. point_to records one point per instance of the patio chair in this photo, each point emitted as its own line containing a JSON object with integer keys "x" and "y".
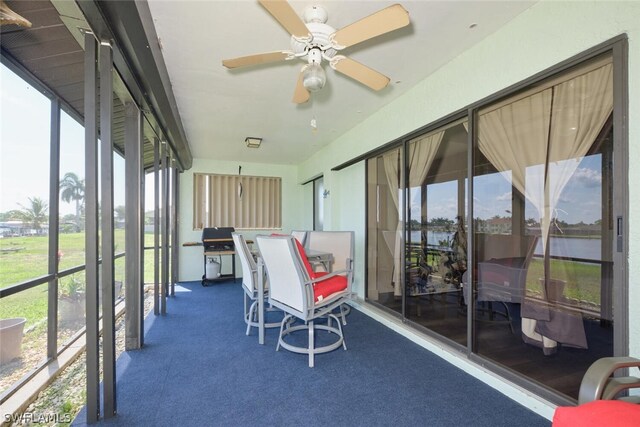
{"x": 300, "y": 235}
{"x": 301, "y": 294}
{"x": 603, "y": 398}
{"x": 503, "y": 263}
{"x": 340, "y": 244}
{"x": 250, "y": 284}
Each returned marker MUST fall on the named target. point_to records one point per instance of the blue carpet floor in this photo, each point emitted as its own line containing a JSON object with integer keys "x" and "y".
{"x": 199, "y": 368}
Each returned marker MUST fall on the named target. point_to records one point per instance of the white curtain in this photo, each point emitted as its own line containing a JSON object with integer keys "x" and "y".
{"x": 422, "y": 151}
{"x": 391, "y": 162}
{"x": 581, "y": 106}
{"x": 562, "y": 123}
{"x": 516, "y": 136}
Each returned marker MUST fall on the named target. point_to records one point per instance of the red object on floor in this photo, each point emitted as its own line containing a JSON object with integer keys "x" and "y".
{"x": 599, "y": 413}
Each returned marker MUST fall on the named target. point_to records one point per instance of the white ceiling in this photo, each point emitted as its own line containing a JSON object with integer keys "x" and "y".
{"x": 220, "y": 107}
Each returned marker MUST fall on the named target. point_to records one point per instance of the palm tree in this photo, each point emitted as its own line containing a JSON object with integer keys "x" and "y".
{"x": 35, "y": 214}
{"x": 72, "y": 188}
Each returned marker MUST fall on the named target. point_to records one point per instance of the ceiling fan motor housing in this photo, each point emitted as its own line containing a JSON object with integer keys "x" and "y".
{"x": 315, "y": 14}
{"x": 320, "y": 38}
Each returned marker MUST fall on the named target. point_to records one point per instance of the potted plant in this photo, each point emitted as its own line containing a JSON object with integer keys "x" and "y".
{"x": 71, "y": 301}
{"x": 11, "y": 331}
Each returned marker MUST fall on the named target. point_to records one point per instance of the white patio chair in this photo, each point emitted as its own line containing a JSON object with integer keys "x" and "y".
{"x": 341, "y": 245}
{"x": 294, "y": 288}
{"x": 300, "y": 235}
{"x": 250, "y": 284}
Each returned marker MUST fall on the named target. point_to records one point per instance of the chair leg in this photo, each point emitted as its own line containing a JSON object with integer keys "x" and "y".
{"x": 343, "y": 314}
{"x": 311, "y": 344}
{"x": 251, "y": 315}
{"x": 284, "y": 321}
{"x": 344, "y": 343}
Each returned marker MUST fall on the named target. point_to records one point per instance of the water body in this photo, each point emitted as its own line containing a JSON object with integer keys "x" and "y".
{"x": 574, "y": 247}
{"x": 560, "y": 246}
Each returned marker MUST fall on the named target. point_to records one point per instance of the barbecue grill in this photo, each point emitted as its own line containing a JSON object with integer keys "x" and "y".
{"x": 217, "y": 241}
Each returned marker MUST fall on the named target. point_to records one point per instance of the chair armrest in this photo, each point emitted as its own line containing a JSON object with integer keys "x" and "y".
{"x": 595, "y": 380}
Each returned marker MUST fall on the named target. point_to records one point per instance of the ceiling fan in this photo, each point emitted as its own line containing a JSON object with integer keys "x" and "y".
{"x": 313, "y": 40}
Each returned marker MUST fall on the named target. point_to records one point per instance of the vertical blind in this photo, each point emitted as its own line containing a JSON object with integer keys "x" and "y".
{"x": 236, "y": 201}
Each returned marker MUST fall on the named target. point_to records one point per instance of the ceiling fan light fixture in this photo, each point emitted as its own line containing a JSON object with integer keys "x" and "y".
{"x": 314, "y": 77}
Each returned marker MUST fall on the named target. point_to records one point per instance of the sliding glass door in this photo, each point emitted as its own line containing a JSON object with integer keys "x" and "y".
{"x": 543, "y": 234}
{"x": 435, "y": 256}
{"x": 534, "y": 292}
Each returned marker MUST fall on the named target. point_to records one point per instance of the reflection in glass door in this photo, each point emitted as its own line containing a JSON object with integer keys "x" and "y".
{"x": 543, "y": 228}
{"x": 435, "y": 257}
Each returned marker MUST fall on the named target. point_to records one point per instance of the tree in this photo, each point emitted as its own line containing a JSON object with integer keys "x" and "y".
{"x": 36, "y": 214}
{"x": 119, "y": 213}
{"x": 72, "y": 188}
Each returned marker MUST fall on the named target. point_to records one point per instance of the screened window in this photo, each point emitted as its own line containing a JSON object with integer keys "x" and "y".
{"x": 237, "y": 201}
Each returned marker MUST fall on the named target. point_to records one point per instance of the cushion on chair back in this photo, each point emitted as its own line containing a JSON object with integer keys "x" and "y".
{"x": 305, "y": 260}
{"x": 599, "y": 413}
{"x": 323, "y": 289}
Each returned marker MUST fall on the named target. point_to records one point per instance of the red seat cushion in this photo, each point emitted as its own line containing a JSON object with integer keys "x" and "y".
{"x": 599, "y": 413}
{"x": 325, "y": 288}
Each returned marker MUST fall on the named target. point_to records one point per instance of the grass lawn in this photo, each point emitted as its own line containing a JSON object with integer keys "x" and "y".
{"x": 583, "y": 280}
{"x": 25, "y": 258}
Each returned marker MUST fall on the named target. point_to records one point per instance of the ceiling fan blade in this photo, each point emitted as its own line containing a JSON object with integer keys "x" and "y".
{"x": 381, "y": 22}
{"x": 286, "y": 16}
{"x": 8, "y": 16}
{"x": 359, "y": 72}
{"x": 300, "y": 94}
{"x": 261, "y": 58}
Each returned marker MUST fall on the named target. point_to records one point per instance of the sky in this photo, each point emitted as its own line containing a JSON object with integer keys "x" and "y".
{"x": 580, "y": 199}
{"x": 24, "y": 147}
